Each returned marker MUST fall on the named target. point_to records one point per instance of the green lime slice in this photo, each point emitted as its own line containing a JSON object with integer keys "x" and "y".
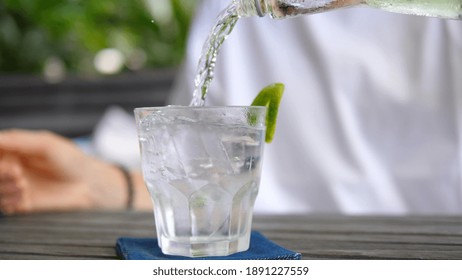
{"x": 270, "y": 96}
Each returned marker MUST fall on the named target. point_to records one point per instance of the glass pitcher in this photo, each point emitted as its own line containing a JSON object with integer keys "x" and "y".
{"x": 279, "y": 9}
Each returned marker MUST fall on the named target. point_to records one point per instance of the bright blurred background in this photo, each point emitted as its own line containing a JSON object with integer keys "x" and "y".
{"x": 63, "y": 63}
{"x": 59, "y": 37}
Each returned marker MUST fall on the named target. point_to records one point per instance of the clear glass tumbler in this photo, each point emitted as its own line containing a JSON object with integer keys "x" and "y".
{"x": 202, "y": 167}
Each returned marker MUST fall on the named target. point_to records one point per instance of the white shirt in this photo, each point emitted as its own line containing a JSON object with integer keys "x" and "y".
{"x": 370, "y": 122}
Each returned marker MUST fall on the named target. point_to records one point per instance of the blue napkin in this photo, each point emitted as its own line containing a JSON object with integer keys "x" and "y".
{"x": 147, "y": 249}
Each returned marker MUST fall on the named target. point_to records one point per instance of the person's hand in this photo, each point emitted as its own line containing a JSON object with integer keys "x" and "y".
{"x": 41, "y": 171}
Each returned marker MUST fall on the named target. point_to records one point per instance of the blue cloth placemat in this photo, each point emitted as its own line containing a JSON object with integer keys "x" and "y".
{"x": 261, "y": 248}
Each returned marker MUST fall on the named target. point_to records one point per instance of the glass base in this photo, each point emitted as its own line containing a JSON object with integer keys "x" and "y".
{"x": 195, "y": 248}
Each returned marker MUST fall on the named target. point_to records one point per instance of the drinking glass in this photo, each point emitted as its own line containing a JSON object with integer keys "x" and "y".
{"x": 202, "y": 166}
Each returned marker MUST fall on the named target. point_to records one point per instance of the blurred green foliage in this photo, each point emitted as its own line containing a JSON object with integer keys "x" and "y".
{"x": 73, "y": 31}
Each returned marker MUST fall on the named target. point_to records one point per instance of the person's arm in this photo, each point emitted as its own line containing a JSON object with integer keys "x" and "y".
{"x": 41, "y": 171}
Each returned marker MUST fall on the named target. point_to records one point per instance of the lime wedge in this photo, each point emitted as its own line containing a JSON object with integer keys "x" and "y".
{"x": 270, "y": 96}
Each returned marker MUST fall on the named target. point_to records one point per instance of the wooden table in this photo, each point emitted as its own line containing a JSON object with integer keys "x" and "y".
{"x": 92, "y": 235}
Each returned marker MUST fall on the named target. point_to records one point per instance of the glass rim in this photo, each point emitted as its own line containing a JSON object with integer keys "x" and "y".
{"x": 181, "y": 107}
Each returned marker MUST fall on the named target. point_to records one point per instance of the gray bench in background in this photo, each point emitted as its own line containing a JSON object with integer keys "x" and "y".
{"x": 73, "y": 107}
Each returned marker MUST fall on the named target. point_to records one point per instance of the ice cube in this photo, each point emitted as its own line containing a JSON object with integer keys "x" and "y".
{"x": 159, "y": 156}
{"x": 242, "y": 151}
{"x": 216, "y": 152}
{"x": 209, "y": 208}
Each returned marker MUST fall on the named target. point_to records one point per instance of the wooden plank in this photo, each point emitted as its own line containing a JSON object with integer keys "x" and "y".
{"x": 58, "y": 251}
{"x": 355, "y": 225}
{"x": 79, "y": 235}
{"x": 367, "y": 237}
{"x": 83, "y": 235}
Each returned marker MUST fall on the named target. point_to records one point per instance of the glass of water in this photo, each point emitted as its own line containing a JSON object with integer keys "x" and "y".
{"x": 202, "y": 167}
